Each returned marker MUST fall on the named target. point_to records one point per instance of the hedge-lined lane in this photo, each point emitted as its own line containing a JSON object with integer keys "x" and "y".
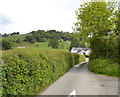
{"x": 28, "y": 71}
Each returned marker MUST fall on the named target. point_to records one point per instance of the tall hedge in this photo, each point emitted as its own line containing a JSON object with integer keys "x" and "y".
{"x": 105, "y": 55}
{"x": 119, "y": 50}
{"x": 104, "y": 47}
{"x": 27, "y": 73}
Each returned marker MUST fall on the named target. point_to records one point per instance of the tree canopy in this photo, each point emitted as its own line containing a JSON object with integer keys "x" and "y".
{"x": 96, "y": 18}
{"x": 42, "y": 36}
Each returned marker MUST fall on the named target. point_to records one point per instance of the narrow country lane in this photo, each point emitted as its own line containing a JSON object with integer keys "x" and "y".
{"x": 80, "y": 81}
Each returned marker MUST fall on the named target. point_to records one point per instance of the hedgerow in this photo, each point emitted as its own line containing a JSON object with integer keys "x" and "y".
{"x": 27, "y": 72}
{"x": 104, "y": 47}
{"x": 104, "y": 58}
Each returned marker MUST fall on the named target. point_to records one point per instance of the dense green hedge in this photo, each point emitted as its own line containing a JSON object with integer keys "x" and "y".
{"x": 105, "y": 55}
{"x": 104, "y": 47}
{"x": 119, "y": 50}
{"x": 27, "y": 72}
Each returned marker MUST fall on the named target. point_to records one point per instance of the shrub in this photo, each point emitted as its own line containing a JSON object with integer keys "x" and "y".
{"x": 6, "y": 45}
{"x": 54, "y": 43}
{"x": 104, "y": 66}
{"x": 119, "y": 50}
{"x": 30, "y": 38}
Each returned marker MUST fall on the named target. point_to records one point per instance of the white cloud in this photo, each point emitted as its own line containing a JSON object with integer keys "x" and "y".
{"x": 30, "y": 15}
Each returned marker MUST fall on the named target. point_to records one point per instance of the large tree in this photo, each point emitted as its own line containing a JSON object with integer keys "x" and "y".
{"x": 95, "y": 18}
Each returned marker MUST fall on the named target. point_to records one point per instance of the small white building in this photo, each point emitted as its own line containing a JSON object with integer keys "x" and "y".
{"x": 74, "y": 50}
{"x": 81, "y": 51}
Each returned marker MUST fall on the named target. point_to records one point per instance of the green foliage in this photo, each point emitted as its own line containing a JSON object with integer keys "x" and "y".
{"x": 42, "y": 36}
{"x": 96, "y": 17}
{"x": 14, "y": 33}
{"x": 37, "y": 36}
{"x": 28, "y": 71}
{"x": 18, "y": 41}
{"x": 104, "y": 66}
{"x": 6, "y": 45}
{"x": 104, "y": 47}
{"x": 81, "y": 58}
{"x": 104, "y": 58}
{"x": 30, "y": 38}
{"x": 14, "y": 38}
{"x": 74, "y": 43}
{"x": 119, "y": 50}
{"x": 54, "y": 43}
{"x": 62, "y": 45}
{"x": 5, "y": 35}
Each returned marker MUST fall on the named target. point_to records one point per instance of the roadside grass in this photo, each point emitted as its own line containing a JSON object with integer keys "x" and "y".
{"x": 104, "y": 66}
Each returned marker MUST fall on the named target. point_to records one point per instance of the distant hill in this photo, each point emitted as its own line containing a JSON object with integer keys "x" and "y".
{"x": 38, "y": 36}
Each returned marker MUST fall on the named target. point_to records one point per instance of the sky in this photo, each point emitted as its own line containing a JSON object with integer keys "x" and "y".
{"x": 25, "y": 16}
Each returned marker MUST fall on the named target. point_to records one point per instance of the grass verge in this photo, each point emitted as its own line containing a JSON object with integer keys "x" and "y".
{"x": 104, "y": 67}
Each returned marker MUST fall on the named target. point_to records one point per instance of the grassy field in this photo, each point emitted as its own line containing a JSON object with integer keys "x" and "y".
{"x": 63, "y": 46}
{"x": 14, "y": 37}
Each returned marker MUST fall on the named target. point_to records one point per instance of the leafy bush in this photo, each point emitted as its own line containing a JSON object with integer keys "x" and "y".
{"x": 30, "y": 38}
{"x": 119, "y": 50}
{"x": 104, "y": 47}
{"x": 54, "y": 43}
{"x": 28, "y": 71}
{"x": 104, "y": 66}
{"x": 6, "y": 45}
{"x": 19, "y": 41}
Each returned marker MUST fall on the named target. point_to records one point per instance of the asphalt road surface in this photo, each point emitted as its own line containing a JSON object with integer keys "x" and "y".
{"x": 80, "y": 81}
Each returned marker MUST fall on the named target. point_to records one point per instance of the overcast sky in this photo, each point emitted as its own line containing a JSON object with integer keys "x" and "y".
{"x": 25, "y": 16}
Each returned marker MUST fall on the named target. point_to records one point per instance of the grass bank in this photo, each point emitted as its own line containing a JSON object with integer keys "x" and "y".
{"x": 28, "y": 71}
{"x": 104, "y": 66}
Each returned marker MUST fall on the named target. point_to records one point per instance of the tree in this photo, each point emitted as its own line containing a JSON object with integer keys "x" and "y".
{"x": 74, "y": 43}
{"x": 54, "y": 43}
{"x": 14, "y": 33}
{"x": 5, "y": 35}
{"x": 6, "y": 45}
{"x": 96, "y": 17}
{"x": 30, "y": 38}
{"x": 18, "y": 41}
